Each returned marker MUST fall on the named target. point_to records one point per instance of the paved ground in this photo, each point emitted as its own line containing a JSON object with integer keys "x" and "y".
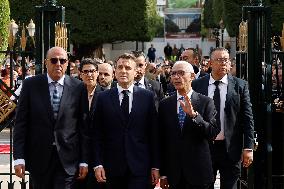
{"x": 5, "y": 165}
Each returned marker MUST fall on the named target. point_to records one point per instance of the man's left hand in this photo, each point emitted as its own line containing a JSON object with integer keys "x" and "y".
{"x": 83, "y": 171}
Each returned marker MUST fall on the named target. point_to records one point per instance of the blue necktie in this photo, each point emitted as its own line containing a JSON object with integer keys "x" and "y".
{"x": 55, "y": 99}
{"x": 181, "y": 114}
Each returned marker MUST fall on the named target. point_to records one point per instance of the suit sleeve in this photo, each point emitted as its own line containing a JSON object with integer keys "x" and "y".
{"x": 21, "y": 123}
{"x": 206, "y": 122}
{"x": 97, "y": 134}
{"x": 155, "y": 153}
{"x": 84, "y": 125}
{"x": 247, "y": 118}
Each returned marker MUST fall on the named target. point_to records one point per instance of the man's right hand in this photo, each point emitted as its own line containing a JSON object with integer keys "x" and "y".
{"x": 20, "y": 170}
{"x": 164, "y": 183}
{"x": 100, "y": 174}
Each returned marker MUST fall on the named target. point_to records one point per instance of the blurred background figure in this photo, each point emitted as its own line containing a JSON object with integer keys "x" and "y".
{"x": 151, "y": 54}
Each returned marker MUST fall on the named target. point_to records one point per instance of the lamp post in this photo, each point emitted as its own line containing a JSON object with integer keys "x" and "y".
{"x": 216, "y": 35}
{"x": 222, "y": 27}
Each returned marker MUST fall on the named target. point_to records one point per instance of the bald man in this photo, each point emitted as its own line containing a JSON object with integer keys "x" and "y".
{"x": 50, "y": 139}
{"x": 106, "y": 75}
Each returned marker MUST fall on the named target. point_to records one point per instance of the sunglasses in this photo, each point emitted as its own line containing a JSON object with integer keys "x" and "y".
{"x": 55, "y": 60}
{"x": 89, "y": 71}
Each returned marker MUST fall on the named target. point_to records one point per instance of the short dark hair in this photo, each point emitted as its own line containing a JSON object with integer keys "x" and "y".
{"x": 127, "y": 56}
{"x": 138, "y": 54}
{"x": 218, "y": 49}
{"x": 86, "y": 61}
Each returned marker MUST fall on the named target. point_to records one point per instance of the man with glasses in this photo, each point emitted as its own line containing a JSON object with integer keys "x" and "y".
{"x": 89, "y": 74}
{"x": 234, "y": 144}
{"x": 50, "y": 134}
{"x": 187, "y": 125}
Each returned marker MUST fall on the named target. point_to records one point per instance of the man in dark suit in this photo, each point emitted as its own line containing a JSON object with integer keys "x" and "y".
{"x": 232, "y": 100}
{"x": 187, "y": 124}
{"x": 144, "y": 82}
{"x": 125, "y": 132}
{"x": 50, "y": 138}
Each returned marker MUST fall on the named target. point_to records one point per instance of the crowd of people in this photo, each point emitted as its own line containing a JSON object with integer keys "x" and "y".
{"x": 133, "y": 123}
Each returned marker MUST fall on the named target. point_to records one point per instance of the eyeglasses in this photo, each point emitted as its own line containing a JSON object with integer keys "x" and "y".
{"x": 222, "y": 60}
{"x": 178, "y": 73}
{"x": 85, "y": 72}
{"x": 55, "y": 60}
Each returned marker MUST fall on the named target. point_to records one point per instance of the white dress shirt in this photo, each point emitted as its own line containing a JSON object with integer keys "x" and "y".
{"x": 130, "y": 94}
{"x": 223, "y": 87}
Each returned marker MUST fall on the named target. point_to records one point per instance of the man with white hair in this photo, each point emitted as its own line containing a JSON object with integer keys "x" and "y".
{"x": 187, "y": 124}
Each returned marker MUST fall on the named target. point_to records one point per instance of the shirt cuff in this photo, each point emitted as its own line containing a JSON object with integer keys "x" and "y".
{"x": 97, "y": 167}
{"x": 19, "y": 162}
{"x": 83, "y": 165}
{"x": 248, "y": 149}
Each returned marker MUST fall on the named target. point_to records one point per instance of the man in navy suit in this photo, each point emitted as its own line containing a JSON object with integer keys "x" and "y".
{"x": 187, "y": 125}
{"x": 235, "y": 141}
{"x": 126, "y": 148}
{"x": 50, "y": 135}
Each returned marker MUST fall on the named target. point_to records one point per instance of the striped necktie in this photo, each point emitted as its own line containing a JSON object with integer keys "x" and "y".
{"x": 55, "y": 99}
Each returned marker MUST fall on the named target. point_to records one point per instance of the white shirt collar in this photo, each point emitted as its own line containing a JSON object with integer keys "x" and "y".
{"x": 223, "y": 80}
{"x": 120, "y": 89}
{"x": 60, "y": 81}
{"x": 188, "y": 94}
{"x": 142, "y": 81}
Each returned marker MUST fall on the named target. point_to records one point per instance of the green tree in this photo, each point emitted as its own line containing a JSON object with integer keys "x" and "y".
{"x": 4, "y": 23}
{"x": 94, "y": 22}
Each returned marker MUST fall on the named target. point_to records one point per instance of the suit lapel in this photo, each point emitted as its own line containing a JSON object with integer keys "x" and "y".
{"x": 45, "y": 94}
{"x": 148, "y": 85}
{"x": 173, "y": 108}
{"x": 115, "y": 101}
{"x": 204, "y": 85}
{"x": 65, "y": 95}
{"x": 135, "y": 103}
{"x": 230, "y": 90}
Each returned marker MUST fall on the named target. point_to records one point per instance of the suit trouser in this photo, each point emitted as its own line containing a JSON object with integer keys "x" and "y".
{"x": 228, "y": 169}
{"x": 128, "y": 181}
{"x": 183, "y": 184}
{"x": 55, "y": 177}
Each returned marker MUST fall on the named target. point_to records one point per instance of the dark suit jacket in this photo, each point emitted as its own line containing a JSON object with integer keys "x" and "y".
{"x": 187, "y": 151}
{"x": 36, "y": 129}
{"x": 118, "y": 144}
{"x": 156, "y": 88}
{"x": 239, "y": 123}
{"x": 97, "y": 91}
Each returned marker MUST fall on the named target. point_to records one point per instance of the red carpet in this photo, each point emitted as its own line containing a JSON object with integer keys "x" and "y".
{"x": 4, "y": 148}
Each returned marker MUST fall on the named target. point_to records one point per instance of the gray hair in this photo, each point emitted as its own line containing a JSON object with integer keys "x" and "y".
{"x": 187, "y": 66}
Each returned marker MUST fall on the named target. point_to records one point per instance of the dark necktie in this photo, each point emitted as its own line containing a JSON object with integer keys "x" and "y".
{"x": 181, "y": 114}
{"x": 55, "y": 99}
{"x": 125, "y": 104}
{"x": 137, "y": 84}
{"x": 216, "y": 99}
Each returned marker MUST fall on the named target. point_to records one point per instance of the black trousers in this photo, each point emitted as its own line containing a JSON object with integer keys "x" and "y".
{"x": 128, "y": 181}
{"x": 55, "y": 177}
{"x": 228, "y": 169}
{"x": 183, "y": 184}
